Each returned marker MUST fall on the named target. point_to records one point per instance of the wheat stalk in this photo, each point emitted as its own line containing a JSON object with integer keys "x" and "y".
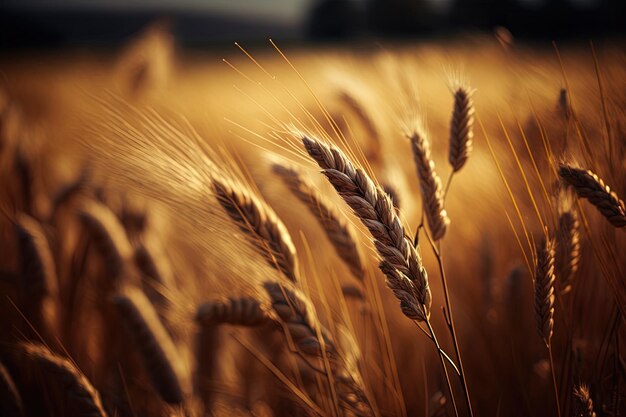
{"x": 588, "y": 185}
{"x": 461, "y": 127}
{"x": 260, "y": 223}
{"x": 585, "y": 404}
{"x": 544, "y": 289}
{"x": 401, "y": 263}
{"x": 338, "y": 231}
{"x": 430, "y": 185}
{"x": 81, "y": 397}
{"x": 160, "y": 358}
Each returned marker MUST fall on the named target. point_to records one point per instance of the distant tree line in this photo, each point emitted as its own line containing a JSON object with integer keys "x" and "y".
{"x": 526, "y": 18}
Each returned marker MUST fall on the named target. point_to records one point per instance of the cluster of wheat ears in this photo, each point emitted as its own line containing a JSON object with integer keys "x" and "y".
{"x": 98, "y": 319}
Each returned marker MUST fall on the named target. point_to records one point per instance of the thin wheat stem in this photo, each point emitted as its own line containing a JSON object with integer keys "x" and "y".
{"x": 451, "y": 328}
{"x": 447, "y": 187}
{"x": 443, "y": 366}
{"x": 556, "y": 391}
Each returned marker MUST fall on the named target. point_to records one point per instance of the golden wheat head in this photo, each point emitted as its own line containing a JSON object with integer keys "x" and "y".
{"x": 402, "y": 265}
{"x": 244, "y": 311}
{"x": 430, "y": 185}
{"x": 461, "y": 128}
{"x": 567, "y": 243}
{"x": 584, "y": 402}
{"x": 588, "y": 185}
{"x": 160, "y": 358}
{"x": 544, "y": 289}
{"x": 259, "y": 222}
{"x": 82, "y": 399}
{"x": 338, "y": 231}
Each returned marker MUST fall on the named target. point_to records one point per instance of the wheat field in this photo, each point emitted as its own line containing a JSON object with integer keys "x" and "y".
{"x": 431, "y": 229}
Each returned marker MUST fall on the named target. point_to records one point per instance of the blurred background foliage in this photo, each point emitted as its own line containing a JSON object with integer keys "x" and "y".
{"x": 40, "y": 23}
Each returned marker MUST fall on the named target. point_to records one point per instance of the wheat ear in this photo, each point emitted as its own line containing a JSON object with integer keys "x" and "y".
{"x": 10, "y": 399}
{"x": 588, "y": 185}
{"x": 338, "y": 231}
{"x": 296, "y": 314}
{"x": 585, "y": 404}
{"x": 39, "y": 278}
{"x": 567, "y": 244}
{"x": 160, "y": 358}
{"x": 401, "y": 263}
{"x": 108, "y": 236}
{"x": 260, "y": 223}
{"x": 294, "y": 310}
{"x": 461, "y": 127}
{"x": 430, "y": 185}
{"x": 544, "y": 289}
{"x": 82, "y": 399}
{"x": 237, "y": 311}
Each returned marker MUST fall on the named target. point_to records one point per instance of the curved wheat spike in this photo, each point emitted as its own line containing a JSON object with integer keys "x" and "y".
{"x": 160, "y": 358}
{"x": 81, "y": 398}
{"x": 588, "y": 185}
{"x": 297, "y": 315}
{"x": 238, "y": 311}
{"x": 108, "y": 236}
{"x": 401, "y": 263}
{"x": 567, "y": 243}
{"x": 260, "y": 223}
{"x": 10, "y": 399}
{"x": 544, "y": 289}
{"x": 39, "y": 279}
{"x": 585, "y": 404}
{"x": 430, "y": 185}
{"x": 461, "y": 127}
{"x": 338, "y": 231}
